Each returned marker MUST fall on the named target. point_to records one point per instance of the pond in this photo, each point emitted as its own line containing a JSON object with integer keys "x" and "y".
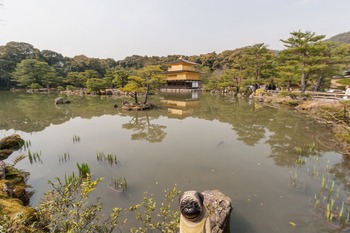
{"x": 274, "y": 163}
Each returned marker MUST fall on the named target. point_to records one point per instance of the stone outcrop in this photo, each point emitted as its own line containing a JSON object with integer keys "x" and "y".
{"x": 60, "y": 100}
{"x": 10, "y": 144}
{"x": 220, "y": 207}
{"x": 136, "y": 107}
{"x": 14, "y": 197}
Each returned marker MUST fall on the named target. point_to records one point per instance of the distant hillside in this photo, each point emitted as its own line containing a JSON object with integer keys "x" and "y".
{"x": 342, "y": 37}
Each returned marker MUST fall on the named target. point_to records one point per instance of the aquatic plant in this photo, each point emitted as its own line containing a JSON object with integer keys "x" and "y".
{"x": 307, "y": 149}
{"x": 300, "y": 161}
{"x": 34, "y": 157}
{"x": 119, "y": 184}
{"x": 297, "y": 183}
{"x": 24, "y": 145}
{"x": 70, "y": 179}
{"x": 64, "y": 158}
{"x": 329, "y": 205}
{"x": 17, "y": 159}
{"x": 111, "y": 158}
{"x": 76, "y": 138}
{"x": 84, "y": 170}
{"x": 100, "y": 156}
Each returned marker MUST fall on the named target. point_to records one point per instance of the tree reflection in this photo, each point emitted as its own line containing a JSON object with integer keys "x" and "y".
{"x": 342, "y": 173}
{"x": 294, "y": 135}
{"x": 280, "y": 128}
{"x": 143, "y": 128}
{"x": 34, "y": 112}
{"x": 288, "y": 133}
{"x": 250, "y": 126}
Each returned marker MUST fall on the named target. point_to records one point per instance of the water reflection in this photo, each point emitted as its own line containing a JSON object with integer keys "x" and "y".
{"x": 180, "y": 105}
{"x": 144, "y": 129}
{"x": 281, "y": 128}
{"x": 266, "y": 159}
{"x": 34, "y": 112}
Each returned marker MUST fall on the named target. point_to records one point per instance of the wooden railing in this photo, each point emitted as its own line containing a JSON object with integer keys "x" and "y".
{"x": 327, "y": 95}
{"x": 322, "y": 95}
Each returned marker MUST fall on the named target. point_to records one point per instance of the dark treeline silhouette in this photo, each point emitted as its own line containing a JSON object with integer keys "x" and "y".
{"x": 24, "y": 66}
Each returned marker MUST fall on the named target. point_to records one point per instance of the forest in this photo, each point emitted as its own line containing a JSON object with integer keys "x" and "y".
{"x": 307, "y": 62}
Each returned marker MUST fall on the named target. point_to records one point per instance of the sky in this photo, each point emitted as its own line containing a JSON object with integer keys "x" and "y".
{"x": 119, "y": 28}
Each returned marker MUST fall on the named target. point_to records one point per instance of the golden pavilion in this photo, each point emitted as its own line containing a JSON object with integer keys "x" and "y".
{"x": 181, "y": 75}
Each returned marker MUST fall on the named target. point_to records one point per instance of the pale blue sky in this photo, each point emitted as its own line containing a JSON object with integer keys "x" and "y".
{"x": 120, "y": 28}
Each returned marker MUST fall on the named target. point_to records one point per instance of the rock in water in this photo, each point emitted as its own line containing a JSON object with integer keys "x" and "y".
{"x": 60, "y": 100}
{"x": 220, "y": 207}
{"x": 10, "y": 144}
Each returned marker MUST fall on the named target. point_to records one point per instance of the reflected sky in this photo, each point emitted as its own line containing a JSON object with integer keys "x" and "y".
{"x": 247, "y": 151}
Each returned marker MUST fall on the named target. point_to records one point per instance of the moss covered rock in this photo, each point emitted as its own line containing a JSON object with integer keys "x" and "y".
{"x": 10, "y": 144}
{"x": 15, "y": 215}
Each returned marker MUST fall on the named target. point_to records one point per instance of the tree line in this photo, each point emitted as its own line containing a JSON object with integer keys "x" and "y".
{"x": 308, "y": 62}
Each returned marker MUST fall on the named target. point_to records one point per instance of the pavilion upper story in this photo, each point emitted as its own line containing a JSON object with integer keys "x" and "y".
{"x": 181, "y": 74}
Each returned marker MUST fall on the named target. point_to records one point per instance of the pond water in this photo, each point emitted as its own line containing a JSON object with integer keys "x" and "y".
{"x": 271, "y": 162}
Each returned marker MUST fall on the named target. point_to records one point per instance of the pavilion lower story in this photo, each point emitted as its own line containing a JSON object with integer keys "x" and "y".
{"x": 182, "y": 84}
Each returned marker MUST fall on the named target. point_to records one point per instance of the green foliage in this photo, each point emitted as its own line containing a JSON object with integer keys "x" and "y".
{"x": 147, "y": 79}
{"x": 32, "y": 71}
{"x": 259, "y": 92}
{"x": 306, "y": 57}
{"x": 67, "y": 208}
{"x": 60, "y": 88}
{"x": 165, "y": 219}
{"x": 248, "y": 66}
{"x": 229, "y": 78}
{"x": 75, "y": 79}
{"x": 34, "y": 157}
{"x": 329, "y": 204}
{"x": 84, "y": 170}
{"x": 12, "y": 54}
{"x": 119, "y": 184}
{"x": 303, "y": 56}
{"x": 95, "y": 85}
{"x": 334, "y": 113}
{"x": 35, "y": 86}
{"x": 344, "y": 81}
{"x": 17, "y": 159}
{"x": 83, "y": 63}
{"x": 16, "y": 224}
{"x": 111, "y": 158}
{"x": 119, "y": 77}
{"x": 79, "y": 79}
{"x": 70, "y": 88}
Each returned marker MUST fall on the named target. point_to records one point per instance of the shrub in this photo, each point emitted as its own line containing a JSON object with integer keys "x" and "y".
{"x": 165, "y": 219}
{"x": 35, "y": 86}
{"x": 70, "y": 88}
{"x": 68, "y": 208}
{"x": 60, "y": 88}
{"x": 259, "y": 92}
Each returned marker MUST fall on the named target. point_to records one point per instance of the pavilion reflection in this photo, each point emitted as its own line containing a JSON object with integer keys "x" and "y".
{"x": 181, "y": 105}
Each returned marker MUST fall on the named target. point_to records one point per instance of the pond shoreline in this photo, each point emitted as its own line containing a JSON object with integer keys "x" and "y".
{"x": 258, "y": 119}
{"x": 335, "y": 113}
